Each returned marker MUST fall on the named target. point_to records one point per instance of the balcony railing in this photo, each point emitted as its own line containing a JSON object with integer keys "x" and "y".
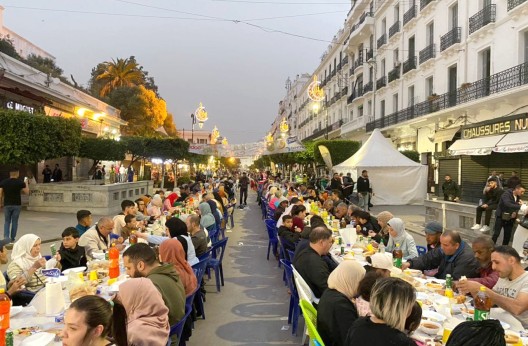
{"x": 449, "y": 39}
{"x": 367, "y": 87}
{"x": 370, "y": 54}
{"x": 409, "y": 15}
{"x": 505, "y": 80}
{"x": 409, "y": 65}
{"x": 359, "y": 61}
{"x": 339, "y": 66}
{"x": 394, "y": 29}
{"x": 382, "y": 40}
{"x": 344, "y": 92}
{"x": 361, "y": 20}
{"x": 482, "y": 18}
{"x": 394, "y": 73}
{"x": 345, "y": 60}
{"x": 514, "y": 3}
{"x": 424, "y": 3}
{"x": 427, "y": 53}
{"x": 381, "y": 83}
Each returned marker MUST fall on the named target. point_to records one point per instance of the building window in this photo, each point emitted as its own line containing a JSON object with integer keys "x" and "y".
{"x": 395, "y": 103}
{"x": 453, "y": 16}
{"x": 396, "y": 54}
{"x": 430, "y": 34}
{"x": 396, "y": 13}
{"x": 382, "y": 108}
{"x": 351, "y": 114}
{"x": 525, "y": 50}
{"x": 485, "y": 63}
{"x": 410, "y": 100}
{"x": 369, "y": 107}
{"x": 429, "y": 86}
{"x": 360, "y": 111}
{"x": 382, "y": 67}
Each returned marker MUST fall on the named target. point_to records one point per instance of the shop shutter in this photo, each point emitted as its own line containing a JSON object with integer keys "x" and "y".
{"x": 446, "y": 166}
{"x": 474, "y": 174}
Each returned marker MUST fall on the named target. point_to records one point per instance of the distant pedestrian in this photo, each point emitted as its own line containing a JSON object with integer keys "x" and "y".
{"x": 56, "y": 176}
{"x": 46, "y": 172}
{"x": 112, "y": 175}
{"x": 450, "y": 189}
{"x": 122, "y": 174}
{"x": 513, "y": 181}
{"x": 506, "y": 213}
{"x": 11, "y": 200}
{"x": 364, "y": 190}
{"x": 244, "y": 183}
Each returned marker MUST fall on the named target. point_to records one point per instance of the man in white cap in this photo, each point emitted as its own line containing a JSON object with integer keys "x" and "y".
{"x": 383, "y": 264}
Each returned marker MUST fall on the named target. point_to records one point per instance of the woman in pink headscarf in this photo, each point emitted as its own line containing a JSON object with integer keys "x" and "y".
{"x": 171, "y": 251}
{"x": 147, "y": 314}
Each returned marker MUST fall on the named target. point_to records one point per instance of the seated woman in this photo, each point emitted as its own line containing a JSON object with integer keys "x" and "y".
{"x": 275, "y": 199}
{"x": 362, "y": 298}
{"x": 391, "y": 303}
{"x": 27, "y": 261}
{"x": 299, "y": 214}
{"x": 207, "y": 219}
{"x": 147, "y": 316}
{"x": 398, "y": 235}
{"x": 336, "y": 310}
{"x": 178, "y": 229}
{"x": 154, "y": 207}
{"x": 171, "y": 251}
{"x": 383, "y": 234}
{"x": 91, "y": 320}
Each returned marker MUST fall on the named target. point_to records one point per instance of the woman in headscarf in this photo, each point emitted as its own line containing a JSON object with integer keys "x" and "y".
{"x": 171, "y": 251}
{"x": 398, "y": 235}
{"x": 147, "y": 315}
{"x": 207, "y": 219}
{"x": 178, "y": 229}
{"x": 155, "y": 205}
{"x": 383, "y": 234}
{"x": 27, "y": 261}
{"x": 209, "y": 198}
{"x": 336, "y": 311}
{"x": 168, "y": 204}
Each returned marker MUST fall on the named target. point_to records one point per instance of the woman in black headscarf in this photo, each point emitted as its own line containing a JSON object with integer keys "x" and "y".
{"x": 178, "y": 229}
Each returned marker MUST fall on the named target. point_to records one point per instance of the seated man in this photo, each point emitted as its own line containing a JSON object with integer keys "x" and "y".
{"x": 71, "y": 254}
{"x": 511, "y": 290}
{"x": 140, "y": 261}
{"x": 288, "y": 235}
{"x": 128, "y": 207}
{"x": 341, "y": 212}
{"x": 131, "y": 224}
{"x": 287, "y": 211}
{"x": 483, "y": 247}
{"x": 84, "y": 221}
{"x": 97, "y": 238}
{"x": 454, "y": 257}
{"x": 309, "y": 263}
{"x": 490, "y": 201}
{"x": 433, "y": 231}
{"x": 199, "y": 237}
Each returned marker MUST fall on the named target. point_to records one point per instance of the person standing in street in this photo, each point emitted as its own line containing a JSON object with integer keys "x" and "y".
{"x": 46, "y": 172}
{"x": 11, "y": 201}
{"x": 244, "y": 184}
{"x": 506, "y": 213}
{"x": 363, "y": 190}
{"x": 57, "y": 174}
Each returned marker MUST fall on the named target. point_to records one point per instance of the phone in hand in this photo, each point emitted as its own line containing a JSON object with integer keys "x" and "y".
{"x": 53, "y": 250}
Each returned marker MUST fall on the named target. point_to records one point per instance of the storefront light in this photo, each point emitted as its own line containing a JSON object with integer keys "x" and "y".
{"x": 81, "y": 111}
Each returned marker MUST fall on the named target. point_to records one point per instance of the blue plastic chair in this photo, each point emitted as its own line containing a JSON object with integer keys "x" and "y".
{"x": 421, "y": 250}
{"x": 271, "y": 227}
{"x": 177, "y": 329}
{"x": 199, "y": 270}
{"x": 291, "y": 254}
{"x": 215, "y": 262}
{"x": 294, "y": 310}
{"x": 214, "y": 234}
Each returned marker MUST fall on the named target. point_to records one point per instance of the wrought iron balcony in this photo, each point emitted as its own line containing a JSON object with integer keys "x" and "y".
{"x": 381, "y": 83}
{"x": 505, "y": 80}
{"x": 339, "y": 66}
{"x": 427, "y": 53}
{"x": 345, "y": 60}
{"x": 449, "y": 39}
{"x": 514, "y": 3}
{"x": 394, "y": 29}
{"x": 355, "y": 94}
{"x": 409, "y": 65}
{"x": 359, "y": 61}
{"x": 482, "y": 18}
{"x": 344, "y": 92}
{"x": 424, "y": 3}
{"x": 382, "y": 40}
{"x": 367, "y": 87}
{"x": 409, "y": 15}
{"x": 394, "y": 73}
{"x": 370, "y": 54}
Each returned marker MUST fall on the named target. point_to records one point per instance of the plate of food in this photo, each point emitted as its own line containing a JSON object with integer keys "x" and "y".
{"x": 434, "y": 284}
{"x": 433, "y": 316}
{"x": 413, "y": 272}
{"x": 38, "y": 339}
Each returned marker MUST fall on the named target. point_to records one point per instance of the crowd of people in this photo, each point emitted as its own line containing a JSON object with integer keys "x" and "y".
{"x": 160, "y": 267}
{"x": 365, "y": 305}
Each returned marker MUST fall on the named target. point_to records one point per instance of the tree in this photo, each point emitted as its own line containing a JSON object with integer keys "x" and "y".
{"x": 169, "y": 126}
{"x": 45, "y": 65}
{"x": 118, "y": 73}
{"x": 29, "y": 138}
{"x": 136, "y": 147}
{"x": 412, "y": 154}
{"x": 167, "y": 149}
{"x": 141, "y": 108}
{"x": 99, "y": 149}
{"x": 340, "y": 150}
{"x": 7, "y": 47}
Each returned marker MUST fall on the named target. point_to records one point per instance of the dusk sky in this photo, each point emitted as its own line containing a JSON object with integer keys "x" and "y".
{"x": 193, "y": 48}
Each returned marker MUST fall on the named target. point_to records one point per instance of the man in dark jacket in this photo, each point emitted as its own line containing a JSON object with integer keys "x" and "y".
{"x": 289, "y": 236}
{"x": 309, "y": 263}
{"x": 490, "y": 201}
{"x": 140, "y": 261}
{"x": 454, "y": 257}
{"x": 364, "y": 190}
{"x": 506, "y": 213}
{"x": 72, "y": 255}
{"x": 450, "y": 189}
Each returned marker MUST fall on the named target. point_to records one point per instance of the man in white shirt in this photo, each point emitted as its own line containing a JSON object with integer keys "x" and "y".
{"x": 511, "y": 291}
{"x": 128, "y": 207}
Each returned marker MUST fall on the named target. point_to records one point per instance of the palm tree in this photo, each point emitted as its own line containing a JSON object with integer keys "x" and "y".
{"x": 120, "y": 73}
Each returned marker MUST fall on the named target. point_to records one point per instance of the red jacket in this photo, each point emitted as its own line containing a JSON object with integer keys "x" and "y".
{"x": 487, "y": 276}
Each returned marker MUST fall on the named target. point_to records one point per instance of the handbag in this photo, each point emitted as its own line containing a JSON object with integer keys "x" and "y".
{"x": 506, "y": 216}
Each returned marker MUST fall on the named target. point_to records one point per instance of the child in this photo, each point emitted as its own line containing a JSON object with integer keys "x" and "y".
{"x": 362, "y": 299}
{"x": 364, "y": 226}
{"x": 131, "y": 224}
{"x": 72, "y": 255}
{"x": 288, "y": 233}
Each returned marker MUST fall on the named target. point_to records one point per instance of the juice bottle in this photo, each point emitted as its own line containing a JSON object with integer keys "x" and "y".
{"x": 482, "y": 305}
{"x": 5, "y": 307}
{"x": 133, "y": 238}
{"x": 397, "y": 254}
{"x": 449, "y": 286}
{"x": 113, "y": 266}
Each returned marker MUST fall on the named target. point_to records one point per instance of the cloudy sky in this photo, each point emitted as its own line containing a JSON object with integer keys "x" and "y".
{"x": 219, "y": 52}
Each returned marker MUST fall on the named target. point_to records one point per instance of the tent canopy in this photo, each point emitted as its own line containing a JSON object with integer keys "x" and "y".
{"x": 395, "y": 179}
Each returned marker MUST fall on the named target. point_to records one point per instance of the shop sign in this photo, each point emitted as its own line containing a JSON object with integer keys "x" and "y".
{"x": 19, "y": 107}
{"x": 503, "y": 126}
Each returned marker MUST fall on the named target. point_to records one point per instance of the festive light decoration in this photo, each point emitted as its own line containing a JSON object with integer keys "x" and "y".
{"x": 315, "y": 92}
{"x": 283, "y": 127}
{"x": 201, "y": 115}
{"x": 224, "y": 141}
{"x": 269, "y": 138}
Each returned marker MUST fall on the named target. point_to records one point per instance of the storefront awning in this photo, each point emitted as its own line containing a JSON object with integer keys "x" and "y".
{"x": 516, "y": 142}
{"x": 475, "y": 146}
{"x": 446, "y": 135}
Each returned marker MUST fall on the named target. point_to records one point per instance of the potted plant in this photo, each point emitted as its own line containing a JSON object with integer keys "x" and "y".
{"x": 465, "y": 86}
{"x": 432, "y": 97}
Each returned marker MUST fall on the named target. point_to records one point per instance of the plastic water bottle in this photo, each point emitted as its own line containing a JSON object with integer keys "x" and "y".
{"x": 381, "y": 247}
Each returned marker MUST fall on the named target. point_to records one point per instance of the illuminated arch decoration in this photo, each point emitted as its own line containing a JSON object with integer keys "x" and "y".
{"x": 315, "y": 92}
{"x": 283, "y": 127}
{"x": 200, "y": 113}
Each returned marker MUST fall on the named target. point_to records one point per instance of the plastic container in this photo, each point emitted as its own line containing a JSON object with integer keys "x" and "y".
{"x": 5, "y": 308}
{"x": 113, "y": 266}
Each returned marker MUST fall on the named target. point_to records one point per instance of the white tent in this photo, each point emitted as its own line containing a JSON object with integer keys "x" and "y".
{"x": 395, "y": 179}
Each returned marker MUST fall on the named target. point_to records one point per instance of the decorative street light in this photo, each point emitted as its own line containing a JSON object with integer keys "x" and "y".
{"x": 199, "y": 116}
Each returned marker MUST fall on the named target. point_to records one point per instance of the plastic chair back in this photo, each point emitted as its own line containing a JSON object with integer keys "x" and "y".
{"x": 219, "y": 247}
{"x": 177, "y": 329}
{"x": 271, "y": 227}
{"x": 289, "y": 276}
{"x": 305, "y": 292}
{"x": 291, "y": 254}
{"x": 310, "y": 317}
{"x": 213, "y": 234}
{"x": 199, "y": 268}
{"x": 421, "y": 250}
